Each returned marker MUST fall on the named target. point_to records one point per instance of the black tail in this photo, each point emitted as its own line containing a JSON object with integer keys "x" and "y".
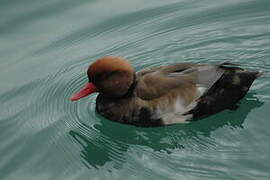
{"x": 225, "y": 93}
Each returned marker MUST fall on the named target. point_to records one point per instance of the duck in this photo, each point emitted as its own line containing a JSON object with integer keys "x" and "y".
{"x": 164, "y": 95}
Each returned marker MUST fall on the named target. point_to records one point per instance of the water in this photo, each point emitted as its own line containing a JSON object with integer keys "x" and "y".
{"x": 45, "y": 48}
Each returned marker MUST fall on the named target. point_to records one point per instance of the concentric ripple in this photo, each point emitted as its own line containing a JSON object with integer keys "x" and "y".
{"x": 46, "y": 48}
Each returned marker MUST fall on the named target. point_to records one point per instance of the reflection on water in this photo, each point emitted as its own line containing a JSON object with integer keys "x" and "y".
{"x": 117, "y": 138}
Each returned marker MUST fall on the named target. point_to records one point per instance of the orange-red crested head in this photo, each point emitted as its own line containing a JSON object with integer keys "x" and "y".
{"x": 109, "y": 75}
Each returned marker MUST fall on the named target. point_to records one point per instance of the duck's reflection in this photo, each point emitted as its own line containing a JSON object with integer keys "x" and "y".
{"x": 114, "y": 139}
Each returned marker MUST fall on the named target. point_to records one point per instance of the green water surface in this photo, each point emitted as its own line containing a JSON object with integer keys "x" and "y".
{"x": 45, "y": 48}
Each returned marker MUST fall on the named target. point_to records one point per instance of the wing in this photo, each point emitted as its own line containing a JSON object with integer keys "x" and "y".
{"x": 156, "y": 82}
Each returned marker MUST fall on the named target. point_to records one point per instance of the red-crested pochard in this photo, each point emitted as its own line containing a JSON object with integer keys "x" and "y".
{"x": 164, "y": 95}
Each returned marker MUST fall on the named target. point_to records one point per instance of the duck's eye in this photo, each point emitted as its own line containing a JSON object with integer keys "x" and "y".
{"x": 107, "y": 74}
{"x": 103, "y": 76}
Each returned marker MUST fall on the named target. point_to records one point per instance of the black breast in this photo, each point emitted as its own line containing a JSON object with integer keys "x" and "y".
{"x": 120, "y": 110}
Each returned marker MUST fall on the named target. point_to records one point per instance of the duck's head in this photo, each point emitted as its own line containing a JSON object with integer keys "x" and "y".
{"x": 111, "y": 76}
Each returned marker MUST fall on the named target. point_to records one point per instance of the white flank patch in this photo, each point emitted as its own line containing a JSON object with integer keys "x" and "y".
{"x": 201, "y": 90}
{"x": 174, "y": 113}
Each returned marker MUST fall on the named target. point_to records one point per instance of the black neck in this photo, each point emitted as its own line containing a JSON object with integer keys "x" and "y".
{"x": 131, "y": 87}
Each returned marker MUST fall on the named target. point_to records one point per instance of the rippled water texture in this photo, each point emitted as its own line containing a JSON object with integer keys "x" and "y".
{"x": 45, "y": 48}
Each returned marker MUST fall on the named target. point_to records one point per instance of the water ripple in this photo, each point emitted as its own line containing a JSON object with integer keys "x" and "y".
{"x": 45, "y": 136}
